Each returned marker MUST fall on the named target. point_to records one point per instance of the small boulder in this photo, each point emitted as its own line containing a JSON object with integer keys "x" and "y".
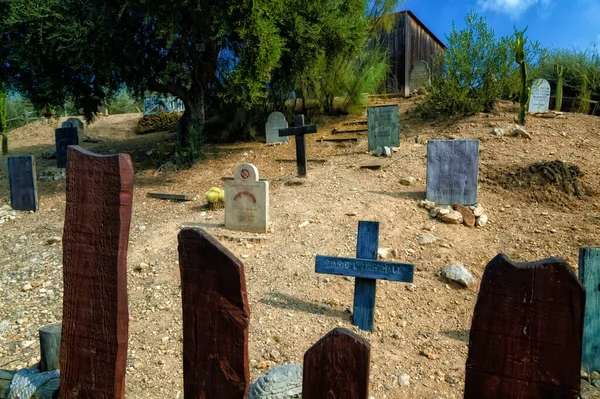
{"x": 477, "y": 210}
{"x": 408, "y": 181}
{"x": 429, "y": 205}
{"x": 452, "y": 217}
{"x": 426, "y": 239}
{"x": 387, "y": 151}
{"x": 378, "y": 152}
{"x": 467, "y": 214}
{"x": 521, "y": 132}
{"x": 459, "y": 274}
{"x": 481, "y": 221}
{"x": 384, "y": 253}
{"x": 282, "y": 382}
{"x": 498, "y": 131}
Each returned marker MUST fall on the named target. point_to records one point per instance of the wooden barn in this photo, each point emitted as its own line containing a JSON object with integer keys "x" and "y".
{"x": 408, "y": 43}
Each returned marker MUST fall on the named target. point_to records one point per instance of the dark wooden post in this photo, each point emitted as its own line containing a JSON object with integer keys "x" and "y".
{"x": 299, "y": 130}
{"x": 589, "y": 275}
{"x": 337, "y": 366}
{"x": 526, "y": 334}
{"x": 215, "y": 319}
{"x": 96, "y": 235}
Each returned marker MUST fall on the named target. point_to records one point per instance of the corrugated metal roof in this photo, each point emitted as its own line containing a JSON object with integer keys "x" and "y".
{"x": 413, "y": 16}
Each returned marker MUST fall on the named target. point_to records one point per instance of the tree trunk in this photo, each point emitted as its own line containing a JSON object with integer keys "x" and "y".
{"x": 190, "y": 131}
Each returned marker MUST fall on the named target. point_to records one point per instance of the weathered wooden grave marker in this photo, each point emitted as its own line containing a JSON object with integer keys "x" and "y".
{"x": 337, "y": 366}
{"x": 95, "y": 239}
{"x": 215, "y": 319}
{"x": 22, "y": 180}
{"x": 299, "y": 130}
{"x": 367, "y": 271}
{"x": 589, "y": 275}
{"x": 526, "y": 334}
{"x": 64, "y": 137}
{"x": 384, "y": 126}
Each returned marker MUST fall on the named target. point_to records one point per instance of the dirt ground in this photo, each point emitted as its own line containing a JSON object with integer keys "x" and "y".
{"x": 291, "y": 306}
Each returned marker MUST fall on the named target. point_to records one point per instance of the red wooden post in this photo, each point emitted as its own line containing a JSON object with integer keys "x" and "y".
{"x": 526, "y": 334}
{"x": 337, "y": 366}
{"x": 215, "y": 319}
{"x": 95, "y": 317}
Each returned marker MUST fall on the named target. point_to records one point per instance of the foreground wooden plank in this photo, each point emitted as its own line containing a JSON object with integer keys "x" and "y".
{"x": 47, "y": 391}
{"x": 215, "y": 319}
{"x": 170, "y": 196}
{"x": 95, "y": 316}
{"x": 526, "y": 334}
{"x": 337, "y": 366}
{"x": 589, "y": 275}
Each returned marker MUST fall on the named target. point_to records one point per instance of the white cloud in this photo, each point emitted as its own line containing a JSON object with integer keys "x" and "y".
{"x": 513, "y": 8}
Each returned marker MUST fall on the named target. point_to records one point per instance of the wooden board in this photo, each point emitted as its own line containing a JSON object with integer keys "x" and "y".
{"x": 338, "y": 139}
{"x": 365, "y": 268}
{"x": 215, "y": 319}
{"x": 589, "y": 275}
{"x": 337, "y": 366}
{"x": 373, "y": 165}
{"x": 343, "y": 131}
{"x": 23, "y": 183}
{"x": 525, "y": 340}
{"x": 308, "y": 160}
{"x": 64, "y": 137}
{"x": 96, "y": 234}
{"x": 170, "y": 196}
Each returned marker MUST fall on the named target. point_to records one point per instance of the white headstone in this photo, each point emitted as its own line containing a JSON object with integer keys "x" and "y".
{"x": 540, "y": 96}
{"x": 419, "y": 75}
{"x": 247, "y": 201}
{"x": 275, "y": 121}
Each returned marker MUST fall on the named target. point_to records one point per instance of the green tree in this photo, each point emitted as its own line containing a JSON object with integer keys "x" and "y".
{"x": 86, "y": 50}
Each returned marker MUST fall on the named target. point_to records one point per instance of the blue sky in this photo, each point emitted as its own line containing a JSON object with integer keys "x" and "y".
{"x": 554, "y": 23}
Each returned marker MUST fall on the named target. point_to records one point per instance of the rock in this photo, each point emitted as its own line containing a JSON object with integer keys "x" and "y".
{"x": 595, "y": 375}
{"x": 442, "y": 211}
{"x": 459, "y": 274}
{"x": 450, "y": 379}
{"x": 452, "y": 217}
{"x": 498, "y": 132}
{"x": 429, "y": 205}
{"x": 411, "y": 287}
{"x": 167, "y": 167}
{"x": 378, "y": 152}
{"x": 561, "y": 116}
{"x": 265, "y": 364}
{"x": 395, "y": 149}
{"x": 428, "y": 354}
{"x": 520, "y": 132}
{"x": 477, "y": 210}
{"x": 588, "y": 391}
{"x": 141, "y": 267}
{"x": 467, "y": 215}
{"x": 425, "y": 239}
{"x": 384, "y": 253}
{"x": 387, "y": 151}
{"x": 481, "y": 221}
{"x": 4, "y": 325}
{"x": 404, "y": 380}
{"x": 303, "y": 224}
{"x": 295, "y": 182}
{"x": 408, "y": 181}
{"x": 282, "y": 382}
{"x": 53, "y": 240}
{"x": 27, "y": 287}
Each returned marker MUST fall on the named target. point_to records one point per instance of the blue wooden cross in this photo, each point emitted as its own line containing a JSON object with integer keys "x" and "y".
{"x": 367, "y": 270}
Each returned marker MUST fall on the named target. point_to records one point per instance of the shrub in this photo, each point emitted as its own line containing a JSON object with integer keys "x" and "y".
{"x": 160, "y": 122}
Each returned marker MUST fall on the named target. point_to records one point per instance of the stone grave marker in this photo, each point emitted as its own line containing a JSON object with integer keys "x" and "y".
{"x": 589, "y": 275}
{"x": 22, "y": 179}
{"x": 275, "y": 122}
{"x": 93, "y": 349}
{"x": 384, "y": 127}
{"x": 74, "y": 122}
{"x": 337, "y": 366}
{"x": 540, "y": 96}
{"x": 419, "y": 75}
{"x": 215, "y": 318}
{"x": 525, "y": 339}
{"x": 367, "y": 271}
{"x": 299, "y": 130}
{"x": 246, "y": 200}
{"x": 64, "y": 137}
{"x": 452, "y": 171}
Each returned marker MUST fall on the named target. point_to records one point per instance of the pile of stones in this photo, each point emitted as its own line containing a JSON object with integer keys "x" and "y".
{"x": 470, "y": 216}
{"x": 7, "y": 214}
{"x": 52, "y": 173}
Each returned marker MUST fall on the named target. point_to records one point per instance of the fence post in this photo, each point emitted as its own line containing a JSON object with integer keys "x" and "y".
{"x": 95, "y": 317}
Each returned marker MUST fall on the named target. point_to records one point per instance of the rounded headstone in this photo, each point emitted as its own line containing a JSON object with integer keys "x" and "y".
{"x": 540, "y": 96}
{"x": 245, "y": 172}
{"x": 275, "y": 121}
{"x": 282, "y": 382}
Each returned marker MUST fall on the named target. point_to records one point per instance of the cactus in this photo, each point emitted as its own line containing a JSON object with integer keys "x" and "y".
{"x": 216, "y": 198}
{"x": 3, "y": 128}
{"x": 525, "y": 91}
{"x": 559, "y": 87}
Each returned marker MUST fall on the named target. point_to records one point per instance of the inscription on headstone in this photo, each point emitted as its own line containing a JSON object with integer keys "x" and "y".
{"x": 420, "y": 75}
{"x": 540, "y": 96}
{"x": 384, "y": 126}
{"x": 22, "y": 180}
{"x": 74, "y": 122}
{"x": 247, "y": 201}
{"x": 65, "y": 137}
{"x": 276, "y": 121}
{"x": 452, "y": 171}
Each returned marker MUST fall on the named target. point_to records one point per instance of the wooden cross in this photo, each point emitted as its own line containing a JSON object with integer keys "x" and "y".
{"x": 367, "y": 270}
{"x": 299, "y": 130}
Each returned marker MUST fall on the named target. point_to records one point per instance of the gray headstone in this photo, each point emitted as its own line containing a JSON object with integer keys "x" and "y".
{"x": 22, "y": 181}
{"x": 540, "y": 96}
{"x": 384, "y": 127}
{"x": 452, "y": 171}
{"x": 282, "y": 382}
{"x": 65, "y": 137}
{"x": 275, "y": 121}
{"x": 419, "y": 75}
{"x": 74, "y": 122}
{"x": 246, "y": 201}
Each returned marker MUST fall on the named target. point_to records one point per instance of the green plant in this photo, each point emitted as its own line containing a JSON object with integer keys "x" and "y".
{"x": 559, "y": 86}
{"x": 160, "y": 122}
{"x": 525, "y": 91}
{"x": 216, "y": 198}
{"x": 585, "y": 95}
{"x": 3, "y": 127}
